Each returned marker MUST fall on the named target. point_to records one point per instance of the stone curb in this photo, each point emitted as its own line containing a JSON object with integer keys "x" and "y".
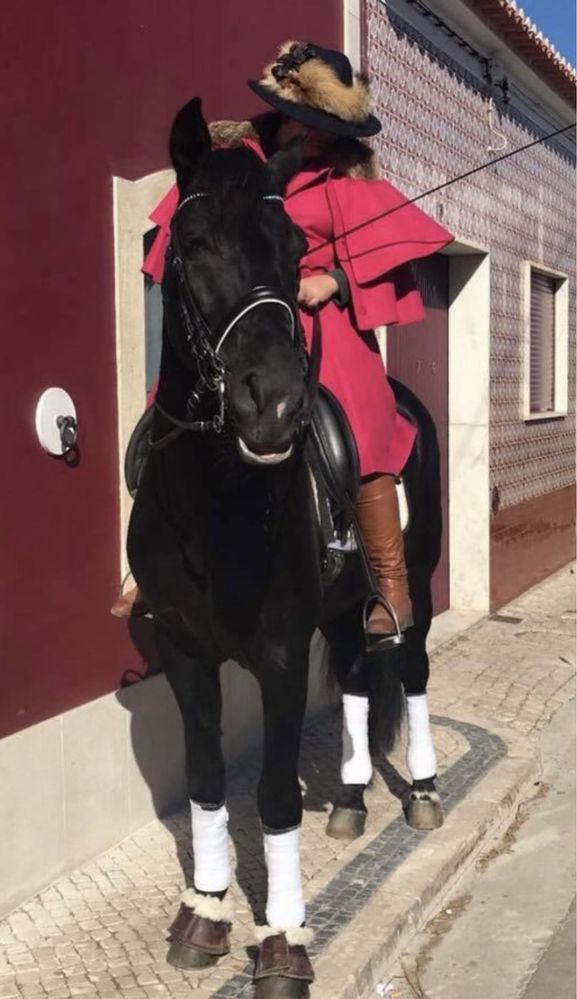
{"x": 381, "y": 931}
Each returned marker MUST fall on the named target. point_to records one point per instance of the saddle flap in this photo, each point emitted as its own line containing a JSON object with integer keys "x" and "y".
{"x": 334, "y": 454}
{"x": 137, "y": 451}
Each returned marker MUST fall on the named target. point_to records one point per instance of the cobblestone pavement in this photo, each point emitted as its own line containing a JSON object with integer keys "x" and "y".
{"x": 102, "y": 930}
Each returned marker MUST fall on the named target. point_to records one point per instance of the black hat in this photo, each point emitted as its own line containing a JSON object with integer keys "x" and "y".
{"x": 317, "y": 87}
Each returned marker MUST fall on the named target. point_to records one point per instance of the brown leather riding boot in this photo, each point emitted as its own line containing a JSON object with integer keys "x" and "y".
{"x": 129, "y": 604}
{"x": 377, "y": 511}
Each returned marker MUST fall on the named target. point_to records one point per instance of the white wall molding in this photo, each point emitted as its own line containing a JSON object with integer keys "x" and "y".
{"x": 133, "y": 202}
{"x": 352, "y": 31}
{"x": 469, "y": 508}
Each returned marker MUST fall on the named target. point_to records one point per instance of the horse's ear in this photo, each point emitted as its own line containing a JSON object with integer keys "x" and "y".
{"x": 283, "y": 165}
{"x": 189, "y": 140}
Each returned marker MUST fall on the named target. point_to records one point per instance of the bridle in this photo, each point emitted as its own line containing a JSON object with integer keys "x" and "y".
{"x": 203, "y": 344}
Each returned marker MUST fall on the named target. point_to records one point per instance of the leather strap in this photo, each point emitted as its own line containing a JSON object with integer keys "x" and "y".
{"x": 315, "y": 358}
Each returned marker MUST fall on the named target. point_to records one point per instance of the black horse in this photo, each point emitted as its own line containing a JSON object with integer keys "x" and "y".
{"x": 225, "y": 545}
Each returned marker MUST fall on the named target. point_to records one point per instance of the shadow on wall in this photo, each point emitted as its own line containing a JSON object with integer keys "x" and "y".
{"x": 158, "y": 785}
{"x": 158, "y": 788}
{"x": 320, "y": 778}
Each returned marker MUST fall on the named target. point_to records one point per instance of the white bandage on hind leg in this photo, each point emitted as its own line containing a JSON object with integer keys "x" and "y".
{"x": 212, "y": 870}
{"x": 285, "y": 905}
{"x": 421, "y": 758}
{"x": 356, "y": 766}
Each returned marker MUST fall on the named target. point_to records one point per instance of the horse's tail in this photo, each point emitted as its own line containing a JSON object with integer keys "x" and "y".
{"x": 386, "y": 699}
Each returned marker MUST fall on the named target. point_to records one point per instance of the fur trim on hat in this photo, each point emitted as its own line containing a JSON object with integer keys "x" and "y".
{"x": 350, "y": 157}
{"x": 216, "y": 909}
{"x": 231, "y": 133}
{"x": 295, "y": 935}
{"x": 315, "y": 84}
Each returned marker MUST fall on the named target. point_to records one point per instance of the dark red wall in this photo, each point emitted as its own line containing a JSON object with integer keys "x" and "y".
{"x": 88, "y": 91}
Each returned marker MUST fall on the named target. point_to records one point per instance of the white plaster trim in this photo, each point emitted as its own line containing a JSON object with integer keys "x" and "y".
{"x": 540, "y": 417}
{"x": 352, "y": 31}
{"x": 561, "y": 342}
{"x": 133, "y": 201}
{"x": 469, "y": 339}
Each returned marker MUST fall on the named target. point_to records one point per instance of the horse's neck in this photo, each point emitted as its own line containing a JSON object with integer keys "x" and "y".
{"x": 175, "y": 380}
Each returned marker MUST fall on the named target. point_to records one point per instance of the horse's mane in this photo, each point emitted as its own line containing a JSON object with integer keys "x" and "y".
{"x": 229, "y": 172}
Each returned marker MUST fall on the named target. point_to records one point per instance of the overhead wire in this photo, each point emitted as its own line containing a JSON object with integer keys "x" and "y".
{"x": 440, "y": 187}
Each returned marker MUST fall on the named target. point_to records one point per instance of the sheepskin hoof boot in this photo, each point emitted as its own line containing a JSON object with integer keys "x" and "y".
{"x": 283, "y": 969}
{"x": 349, "y": 815}
{"x": 200, "y": 934}
{"x": 188, "y": 958}
{"x": 276, "y": 987}
{"x": 423, "y": 809}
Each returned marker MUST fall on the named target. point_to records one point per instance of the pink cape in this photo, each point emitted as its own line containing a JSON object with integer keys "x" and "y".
{"x": 375, "y": 260}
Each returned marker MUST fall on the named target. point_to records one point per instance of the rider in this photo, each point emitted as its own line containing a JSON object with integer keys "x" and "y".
{"x": 360, "y": 280}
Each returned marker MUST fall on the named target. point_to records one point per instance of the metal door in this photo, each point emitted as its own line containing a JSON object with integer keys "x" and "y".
{"x": 418, "y": 356}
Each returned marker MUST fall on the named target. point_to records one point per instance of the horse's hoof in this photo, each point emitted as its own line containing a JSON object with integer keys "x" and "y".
{"x": 188, "y": 958}
{"x": 346, "y": 823}
{"x": 424, "y": 811}
{"x": 277, "y": 987}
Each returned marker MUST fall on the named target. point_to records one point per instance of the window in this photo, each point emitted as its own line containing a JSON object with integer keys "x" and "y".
{"x": 542, "y": 343}
{"x": 546, "y": 319}
{"x": 152, "y": 319}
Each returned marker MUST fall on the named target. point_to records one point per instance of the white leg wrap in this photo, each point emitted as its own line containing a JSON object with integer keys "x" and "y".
{"x": 212, "y": 871}
{"x": 421, "y": 758}
{"x": 356, "y": 766}
{"x": 285, "y": 904}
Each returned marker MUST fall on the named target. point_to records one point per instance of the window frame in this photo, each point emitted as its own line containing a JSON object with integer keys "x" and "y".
{"x": 561, "y": 343}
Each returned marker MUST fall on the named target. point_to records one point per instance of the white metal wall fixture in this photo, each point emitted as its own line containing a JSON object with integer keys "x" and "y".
{"x": 56, "y": 426}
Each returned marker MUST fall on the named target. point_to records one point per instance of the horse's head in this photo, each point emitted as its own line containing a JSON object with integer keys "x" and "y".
{"x": 233, "y": 236}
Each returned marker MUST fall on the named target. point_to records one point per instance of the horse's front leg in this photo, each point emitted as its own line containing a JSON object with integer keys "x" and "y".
{"x": 200, "y": 933}
{"x": 283, "y": 968}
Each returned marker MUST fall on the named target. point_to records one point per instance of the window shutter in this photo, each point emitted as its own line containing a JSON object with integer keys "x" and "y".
{"x": 542, "y": 350}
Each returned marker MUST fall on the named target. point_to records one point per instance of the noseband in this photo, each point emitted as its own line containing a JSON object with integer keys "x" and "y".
{"x": 200, "y": 338}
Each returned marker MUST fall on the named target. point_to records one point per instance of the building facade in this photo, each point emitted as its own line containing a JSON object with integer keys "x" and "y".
{"x": 457, "y": 85}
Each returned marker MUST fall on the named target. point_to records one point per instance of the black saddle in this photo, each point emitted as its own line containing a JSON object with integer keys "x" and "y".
{"x": 137, "y": 451}
{"x": 331, "y": 451}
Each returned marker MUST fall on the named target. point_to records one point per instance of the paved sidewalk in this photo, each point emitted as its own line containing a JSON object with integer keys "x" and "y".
{"x": 101, "y": 931}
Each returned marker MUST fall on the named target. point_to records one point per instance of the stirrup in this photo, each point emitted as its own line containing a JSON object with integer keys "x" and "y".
{"x": 381, "y": 642}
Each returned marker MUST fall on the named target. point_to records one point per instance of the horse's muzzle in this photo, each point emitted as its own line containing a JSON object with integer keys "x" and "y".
{"x": 262, "y": 457}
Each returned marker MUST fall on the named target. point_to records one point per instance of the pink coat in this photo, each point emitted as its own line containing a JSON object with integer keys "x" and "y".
{"x": 382, "y": 292}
